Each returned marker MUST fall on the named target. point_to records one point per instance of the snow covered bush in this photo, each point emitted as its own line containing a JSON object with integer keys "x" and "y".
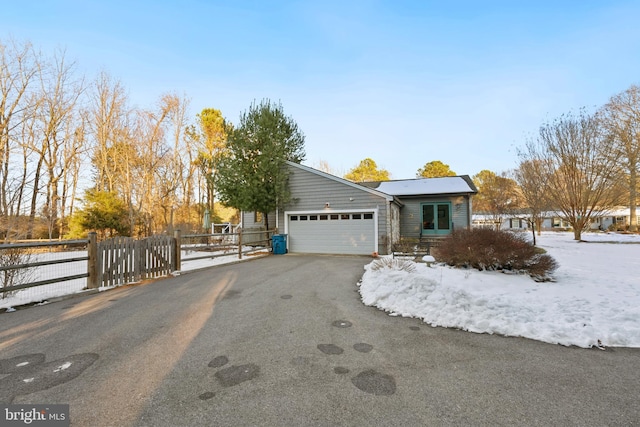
{"x": 488, "y": 249}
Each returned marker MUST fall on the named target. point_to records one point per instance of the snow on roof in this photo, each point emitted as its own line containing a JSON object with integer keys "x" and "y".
{"x": 420, "y": 186}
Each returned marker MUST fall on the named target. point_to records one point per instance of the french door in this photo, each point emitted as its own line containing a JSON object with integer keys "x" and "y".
{"x": 436, "y": 218}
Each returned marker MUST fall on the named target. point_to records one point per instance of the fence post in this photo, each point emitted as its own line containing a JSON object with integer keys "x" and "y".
{"x": 240, "y": 243}
{"x": 140, "y": 263}
{"x": 92, "y": 263}
{"x": 177, "y": 244}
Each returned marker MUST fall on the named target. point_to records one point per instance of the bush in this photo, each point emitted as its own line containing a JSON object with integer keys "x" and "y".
{"x": 393, "y": 264}
{"x": 405, "y": 245}
{"x": 487, "y": 249}
{"x": 9, "y": 276}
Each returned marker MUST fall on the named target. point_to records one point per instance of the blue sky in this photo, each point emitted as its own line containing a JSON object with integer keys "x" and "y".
{"x": 401, "y": 82}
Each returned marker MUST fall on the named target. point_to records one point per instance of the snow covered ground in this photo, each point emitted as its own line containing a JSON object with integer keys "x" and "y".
{"x": 595, "y": 299}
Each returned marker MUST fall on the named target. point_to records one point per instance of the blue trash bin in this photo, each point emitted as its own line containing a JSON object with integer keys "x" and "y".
{"x": 279, "y": 242}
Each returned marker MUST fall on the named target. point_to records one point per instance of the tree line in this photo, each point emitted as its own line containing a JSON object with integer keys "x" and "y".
{"x": 146, "y": 169}
{"x": 140, "y": 171}
{"x": 581, "y": 165}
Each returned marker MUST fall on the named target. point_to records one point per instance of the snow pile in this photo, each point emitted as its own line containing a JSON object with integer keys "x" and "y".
{"x": 594, "y": 300}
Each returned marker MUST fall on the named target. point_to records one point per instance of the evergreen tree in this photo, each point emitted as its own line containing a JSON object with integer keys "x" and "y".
{"x": 367, "y": 171}
{"x": 435, "y": 169}
{"x": 252, "y": 173}
{"x": 103, "y": 212}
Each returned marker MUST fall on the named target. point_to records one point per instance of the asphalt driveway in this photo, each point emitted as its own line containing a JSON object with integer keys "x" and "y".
{"x": 285, "y": 340}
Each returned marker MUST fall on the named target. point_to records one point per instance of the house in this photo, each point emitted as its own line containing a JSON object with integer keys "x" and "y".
{"x": 331, "y": 215}
{"x": 616, "y": 219}
{"x": 551, "y": 221}
{"x": 506, "y": 222}
{"x": 612, "y": 219}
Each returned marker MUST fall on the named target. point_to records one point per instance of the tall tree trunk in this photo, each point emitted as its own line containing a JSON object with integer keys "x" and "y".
{"x": 633, "y": 200}
{"x": 533, "y": 230}
{"x": 34, "y": 198}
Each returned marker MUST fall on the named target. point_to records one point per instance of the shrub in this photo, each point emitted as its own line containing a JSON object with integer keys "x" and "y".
{"x": 487, "y": 249}
{"x": 405, "y": 245}
{"x": 14, "y": 257}
{"x": 393, "y": 264}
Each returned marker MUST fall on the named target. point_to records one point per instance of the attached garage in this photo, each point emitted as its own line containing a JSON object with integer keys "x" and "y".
{"x": 328, "y": 232}
{"x": 325, "y": 214}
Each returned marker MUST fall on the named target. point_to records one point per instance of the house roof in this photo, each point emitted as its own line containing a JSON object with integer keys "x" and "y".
{"x": 425, "y": 186}
{"x": 368, "y": 189}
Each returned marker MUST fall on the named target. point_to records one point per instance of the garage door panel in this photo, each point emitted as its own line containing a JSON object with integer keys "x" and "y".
{"x": 336, "y": 236}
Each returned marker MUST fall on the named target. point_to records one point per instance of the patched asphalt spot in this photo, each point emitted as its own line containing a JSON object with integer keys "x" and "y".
{"x": 41, "y": 376}
{"x": 414, "y": 328}
{"x": 218, "y": 362}
{"x": 340, "y": 370}
{"x": 374, "y": 382}
{"x": 21, "y": 363}
{"x": 286, "y": 296}
{"x": 342, "y": 324}
{"x": 232, "y": 294}
{"x": 236, "y": 374}
{"x": 330, "y": 349}
{"x": 207, "y": 395}
{"x": 362, "y": 347}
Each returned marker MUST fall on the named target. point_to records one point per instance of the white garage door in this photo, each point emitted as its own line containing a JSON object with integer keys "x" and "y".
{"x": 335, "y": 233}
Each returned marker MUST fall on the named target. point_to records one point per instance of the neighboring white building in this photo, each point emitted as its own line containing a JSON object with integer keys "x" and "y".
{"x": 506, "y": 222}
{"x": 619, "y": 218}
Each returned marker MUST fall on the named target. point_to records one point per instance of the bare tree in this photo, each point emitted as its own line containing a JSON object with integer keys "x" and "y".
{"x": 324, "y": 166}
{"x": 173, "y": 170}
{"x": 573, "y": 154}
{"x": 621, "y": 119}
{"x": 533, "y": 188}
{"x": 19, "y": 67}
{"x": 108, "y": 117}
{"x": 152, "y": 153}
{"x": 74, "y": 156}
{"x": 58, "y": 148}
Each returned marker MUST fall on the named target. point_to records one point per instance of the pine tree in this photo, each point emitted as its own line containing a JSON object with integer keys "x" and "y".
{"x": 367, "y": 170}
{"x": 252, "y": 173}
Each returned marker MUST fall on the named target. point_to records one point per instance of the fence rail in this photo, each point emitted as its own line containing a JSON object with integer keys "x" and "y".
{"x": 21, "y": 251}
{"x": 121, "y": 260}
{"x": 223, "y": 244}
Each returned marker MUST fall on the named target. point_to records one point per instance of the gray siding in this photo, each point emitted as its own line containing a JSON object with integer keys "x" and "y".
{"x": 248, "y": 220}
{"x": 410, "y": 215}
{"x": 311, "y": 192}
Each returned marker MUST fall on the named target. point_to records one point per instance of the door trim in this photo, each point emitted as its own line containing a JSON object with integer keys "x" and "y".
{"x": 435, "y": 231}
{"x": 337, "y": 211}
